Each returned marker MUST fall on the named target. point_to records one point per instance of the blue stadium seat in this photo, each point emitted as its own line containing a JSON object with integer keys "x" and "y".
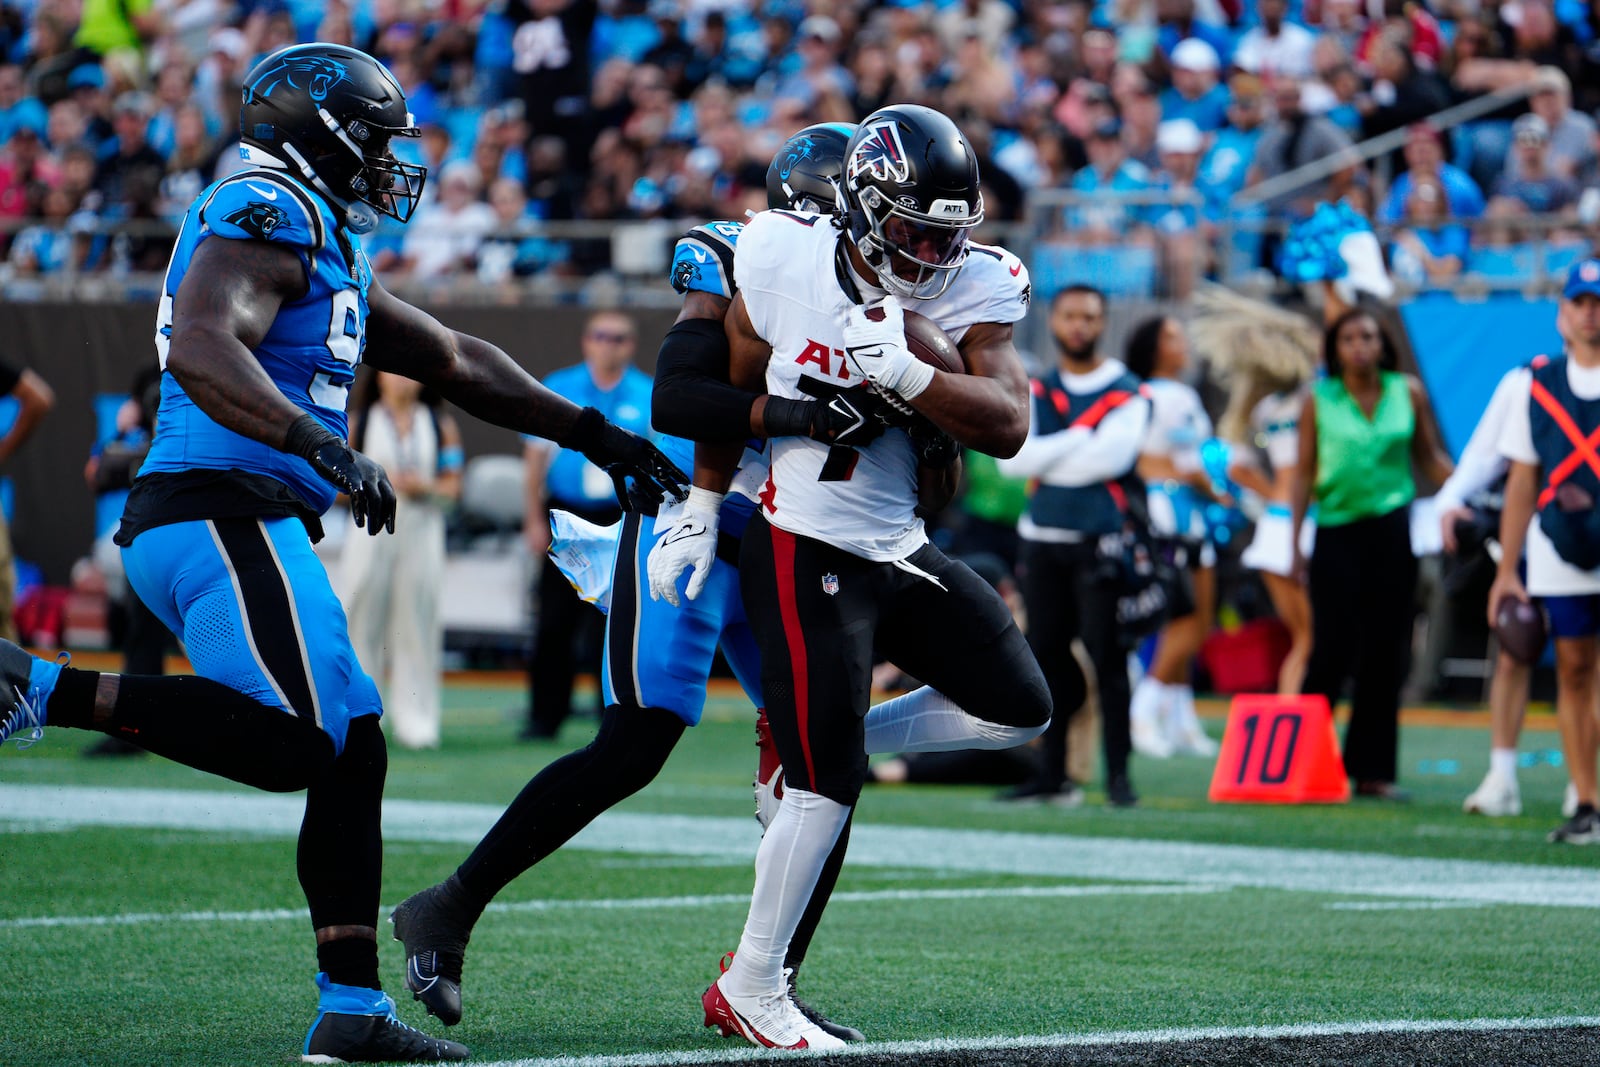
{"x": 1115, "y": 271}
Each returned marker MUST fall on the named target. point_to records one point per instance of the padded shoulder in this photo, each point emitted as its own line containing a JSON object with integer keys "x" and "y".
{"x": 703, "y": 260}
{"x": 264, "y": 205}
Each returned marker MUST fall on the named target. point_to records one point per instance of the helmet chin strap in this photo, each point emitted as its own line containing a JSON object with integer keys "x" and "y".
{"x": 359, "y": 217}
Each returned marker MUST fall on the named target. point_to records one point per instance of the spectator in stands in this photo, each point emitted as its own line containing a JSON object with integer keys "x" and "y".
{"x": 1196, "y": 94}
{"x": 1176, "y": 22}
{"x": 1275, "y": 47}
{"x": 1533, "y": 187}
{"x": 26, "y": 169}
{"x": 1427, "y": 249}
{"x": 1339, "y": 83}
{"x": 1139, "y": 104}
{"x": 1222, "y": 172}
{"x": 1424, "y": 157}
{"x": 109, "y": 26}
{"x": 35, "y": 398}
{"x": 445, "y": 235}
{"x": 671, "y": 52}
{"x": 980, "y": 85}
{"x": 1402, "y": 93}
{"x": 16, "y": 108}
{"x": 173, "y": 87}
{"x": 129, "y": 154}
{"x": 1183, "y": 225}
{"x": 65, "y": 126}
{"x": 1573, "y": 138}
{"x": 1344, "y": 21}
{"x": 190, "y": 166}
{"x": 88, "y": 86}
{"x": 511, "y": 252}
{"x": 59, "y": 242}
{"x": 1104, "y": 218}
{"x": 51, "y": 56}
{"x": 392, "y": 586}
{"x": 819, "y": 75}
{"x": 568, "y": 631}
{"x": 1362, "y": 430}
{"x": 1293, "y": 140}
{"x": 988, "y": 20}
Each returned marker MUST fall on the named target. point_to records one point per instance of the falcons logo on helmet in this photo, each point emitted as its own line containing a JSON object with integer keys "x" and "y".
{"x": 880, "y": 155}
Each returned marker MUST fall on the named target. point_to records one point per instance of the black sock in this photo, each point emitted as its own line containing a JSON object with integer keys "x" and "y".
{"x": 202, "y": 724}
{"x": 567, "y": 795}
{"x": 71, "y": 704}
{"x": 1584, "y": 808}
{"x": 350, "y": 961}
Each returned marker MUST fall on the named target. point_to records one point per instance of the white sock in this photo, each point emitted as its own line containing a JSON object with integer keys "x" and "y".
{"x": 788, "y": 864}
{"x": 1149, "y": 698}
{"x": 925, "y": 720}
{"x": 1182, "y": 704}
{"x": 1503, "y": 761}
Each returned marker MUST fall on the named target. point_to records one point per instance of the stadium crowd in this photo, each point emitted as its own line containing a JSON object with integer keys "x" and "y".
{"x": 113, "y": 115}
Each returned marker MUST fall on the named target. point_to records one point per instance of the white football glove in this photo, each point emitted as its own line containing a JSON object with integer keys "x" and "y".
{"x": 689, "y": 542}
{"x": 878, "y": 352}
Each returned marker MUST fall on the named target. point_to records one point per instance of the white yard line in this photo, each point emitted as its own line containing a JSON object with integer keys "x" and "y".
{"x": 1112, "y": 1037}
{"x": 1326, "y": 871}
{"x": 711, "y": 900}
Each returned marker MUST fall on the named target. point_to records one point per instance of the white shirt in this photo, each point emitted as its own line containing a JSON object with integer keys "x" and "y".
{"x": 1548, "y": 573}
{"x": 1085, "y": 455}
{"x": 1481, "y": 463}
{"x": 1275, "y": 421}
{"x": 784, "y": 266}
{"x": 1287, "y": 54}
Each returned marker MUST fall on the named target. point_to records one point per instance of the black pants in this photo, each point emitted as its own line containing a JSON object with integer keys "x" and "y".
{"x": 1363, "y": 584}
{"x": 819, "y": 612}
{"x": 1066, "y": 600}
{"x": 569, "y": 635}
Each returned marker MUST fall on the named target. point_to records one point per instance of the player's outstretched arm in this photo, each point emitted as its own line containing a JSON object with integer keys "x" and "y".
{"x": 482, "y": 380}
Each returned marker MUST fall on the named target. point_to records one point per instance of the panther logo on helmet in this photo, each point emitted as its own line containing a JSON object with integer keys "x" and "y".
{"x": 315, "y": 74}
{"x": 880, "y": 153}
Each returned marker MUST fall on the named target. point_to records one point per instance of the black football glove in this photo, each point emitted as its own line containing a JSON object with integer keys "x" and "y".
{"x": 854, "y": 418}
{"x": 372, "y": 498}
{"x": 625, "y": 455}
{"x": 935, "y": 448}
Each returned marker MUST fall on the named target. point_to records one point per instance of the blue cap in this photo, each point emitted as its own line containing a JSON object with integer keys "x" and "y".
{"x": 86, "y": 74}
{"x": 1585, "y": 278}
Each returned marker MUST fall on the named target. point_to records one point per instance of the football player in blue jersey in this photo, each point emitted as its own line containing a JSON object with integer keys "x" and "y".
{"x": 659, "y": 655}
{"x": 268, "y": 307}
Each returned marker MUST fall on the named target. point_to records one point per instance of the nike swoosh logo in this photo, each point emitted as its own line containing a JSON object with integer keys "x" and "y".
{"x": 272, "y": 194}
{"x": 1014, "y": 270}
{"x": 684, "y": 534}
{"x": 701, "y": 256}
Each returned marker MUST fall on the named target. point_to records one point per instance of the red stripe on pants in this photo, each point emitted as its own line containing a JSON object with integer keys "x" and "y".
{"x": 788, "y": 609}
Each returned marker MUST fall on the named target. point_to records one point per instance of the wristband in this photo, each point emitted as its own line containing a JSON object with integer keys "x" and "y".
{"x": 704, "y": 501}
{"x": 783, "y": 417}
{"x": 913, "y": 379}
{"x": 306, "y": 435}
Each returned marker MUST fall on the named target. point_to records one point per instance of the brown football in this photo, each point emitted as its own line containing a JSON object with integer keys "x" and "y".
{"x": 929, "y": 343}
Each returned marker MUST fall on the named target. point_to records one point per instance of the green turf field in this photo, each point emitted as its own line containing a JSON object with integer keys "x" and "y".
{"x": 140, "y": 927}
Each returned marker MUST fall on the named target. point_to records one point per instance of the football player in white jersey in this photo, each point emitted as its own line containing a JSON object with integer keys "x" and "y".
{"x": 836, "y": 563}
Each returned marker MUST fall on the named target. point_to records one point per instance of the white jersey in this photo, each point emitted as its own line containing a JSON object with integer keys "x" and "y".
{"x": 1275, "y": 421}
{"x": 1179, "y": 424}
{"x": 864, "y": 499}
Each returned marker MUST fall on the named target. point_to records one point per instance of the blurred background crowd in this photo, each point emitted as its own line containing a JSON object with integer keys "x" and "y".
{"x": 1134, "y": 131}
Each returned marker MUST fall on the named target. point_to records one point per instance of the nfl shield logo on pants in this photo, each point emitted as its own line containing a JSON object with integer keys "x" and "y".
{"x": 830, "y": 584}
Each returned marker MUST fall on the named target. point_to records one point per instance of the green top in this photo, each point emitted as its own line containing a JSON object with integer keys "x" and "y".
{"x": 990, "y": 494}
{"x": 1363, "y": 465}
{"x": 105, "y": 25}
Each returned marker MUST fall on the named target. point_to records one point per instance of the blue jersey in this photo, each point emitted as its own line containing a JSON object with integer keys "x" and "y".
{"x": 311, "y": 350}
{"x": 572, "y": 480}
{"x": 701, "y": 263}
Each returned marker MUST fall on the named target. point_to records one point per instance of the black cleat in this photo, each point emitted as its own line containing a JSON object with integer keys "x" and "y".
{"x": 433, "y": 928}
{"x": 338, "y": 1038}
{"x": 821, "y": 1021}
{"x": 1119, "y": 792}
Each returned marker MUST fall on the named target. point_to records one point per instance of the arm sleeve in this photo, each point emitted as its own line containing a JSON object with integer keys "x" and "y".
{"x": 692, "y": 398}
{"x": 1481, "y": 463}
{"x": 1516, "y": 439}
{"x": 1109, "y": 451}
{"x": 1039, "y": 452}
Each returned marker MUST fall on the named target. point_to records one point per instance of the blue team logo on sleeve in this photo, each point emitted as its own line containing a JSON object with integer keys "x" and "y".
{"x": 703, "y": 259}
{"x": 262, "y": 220}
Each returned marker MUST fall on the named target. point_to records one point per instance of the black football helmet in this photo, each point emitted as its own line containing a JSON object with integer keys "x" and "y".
{"x": 804, "y": 175}
{"x": 910, "y": 197}
{"x": 328, "y": 113}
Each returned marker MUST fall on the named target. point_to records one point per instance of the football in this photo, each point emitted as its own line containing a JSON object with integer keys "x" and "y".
{"x": 1520, "y": 628}
{"x": 932, "y": 345}
{"x": 928, "y": 342}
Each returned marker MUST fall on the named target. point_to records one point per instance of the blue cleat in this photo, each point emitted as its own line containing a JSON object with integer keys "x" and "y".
{"x": 359, "y": 1025}
{"x": 26, "y": 682}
